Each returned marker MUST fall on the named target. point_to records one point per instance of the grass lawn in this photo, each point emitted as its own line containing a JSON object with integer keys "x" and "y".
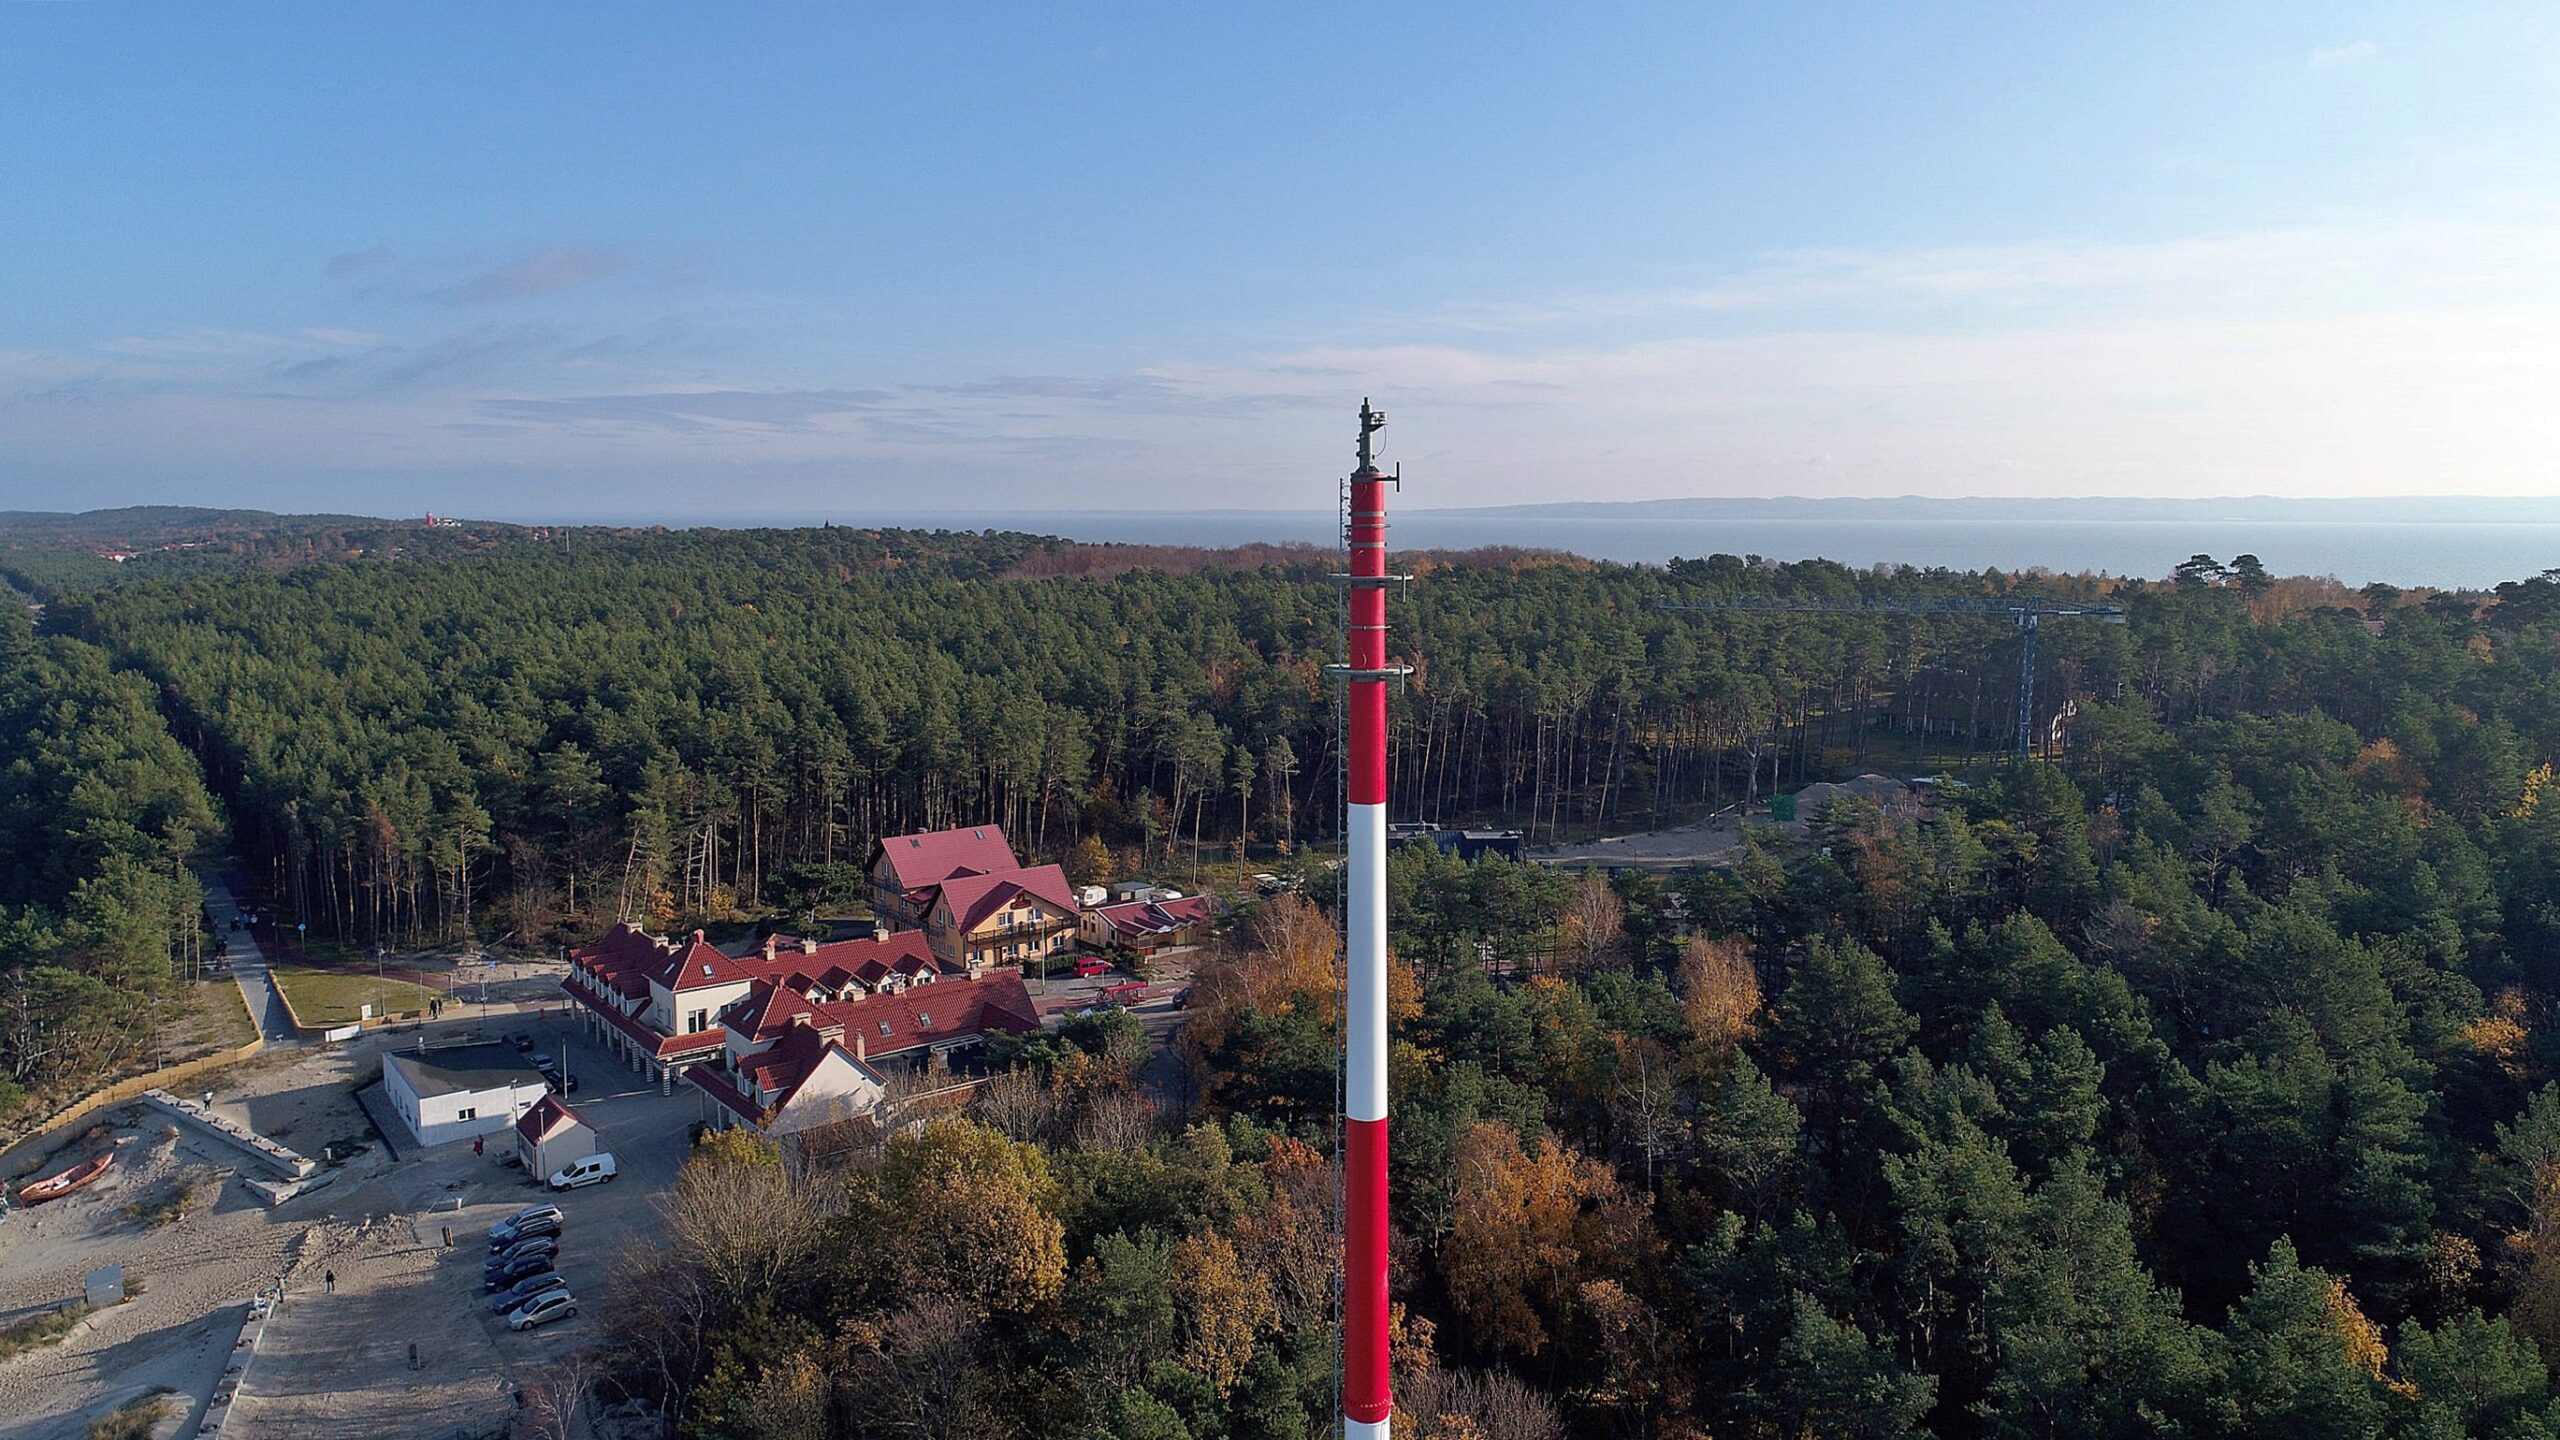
{"x": 334, "y": 997}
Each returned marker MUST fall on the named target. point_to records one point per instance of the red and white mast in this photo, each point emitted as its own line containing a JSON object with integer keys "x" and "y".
{"x": 1366, "y": 1403}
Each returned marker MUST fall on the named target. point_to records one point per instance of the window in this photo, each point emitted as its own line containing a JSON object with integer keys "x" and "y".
{"x": 925, "y": 1018}
{"x": 465, "y": 1113}
{"x": 696, "y": 1019}
{"x": 884, "y": 1029}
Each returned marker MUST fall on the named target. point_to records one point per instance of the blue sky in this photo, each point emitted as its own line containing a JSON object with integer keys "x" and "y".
{"x": 727, "y": 261}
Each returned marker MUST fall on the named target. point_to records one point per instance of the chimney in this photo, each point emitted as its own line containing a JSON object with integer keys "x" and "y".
{"x": 861, "y": 1048}
{"x": 772, "y": 943}
{"x": 808, "y": 945}
{"x": 879, "y": 928}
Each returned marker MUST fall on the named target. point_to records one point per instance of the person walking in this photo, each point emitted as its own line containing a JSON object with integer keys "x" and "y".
{"x": 329, "y": 1281}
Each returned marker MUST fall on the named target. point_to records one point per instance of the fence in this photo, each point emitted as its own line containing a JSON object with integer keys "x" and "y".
{"x": 13, "y": 1160}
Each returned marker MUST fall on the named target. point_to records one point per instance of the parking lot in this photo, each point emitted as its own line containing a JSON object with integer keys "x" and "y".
{"x": 338, "y": 1362}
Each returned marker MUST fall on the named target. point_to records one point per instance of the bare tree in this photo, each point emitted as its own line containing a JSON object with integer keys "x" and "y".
{"x": 915, "y": 1374}
{"x": 739, "y": 1215}
{"x": 658, "y": 1324}
{"x": 1121, "y": 1120}
{"x": 1018, "y": 1104}
{"x": 1591, "y": 930}
{"x": 1646, "y": 1105}
{"x": 1471, "y": 1405}
{"x": 553, "y": 1399}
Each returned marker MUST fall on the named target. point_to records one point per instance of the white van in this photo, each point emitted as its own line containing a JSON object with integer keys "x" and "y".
{"x": 594, "y": 1170}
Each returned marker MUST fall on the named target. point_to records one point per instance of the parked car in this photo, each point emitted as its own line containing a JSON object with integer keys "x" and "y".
{"x": 1090, "y": 966}
{"x": 525, "y": 1289}
{"x": 544, "y": 1309}
{"x": 524, "y": 1249}
{"x": 594, "y": 1170}
{"x": 543, "y": 1062}
{"x": 564, "y": 1085}
{"x": 524, "y": 1269}
{"x": 546, "y": 1228}
{"x": 522, "y": 1039}
{"x": 506, "y": 1229}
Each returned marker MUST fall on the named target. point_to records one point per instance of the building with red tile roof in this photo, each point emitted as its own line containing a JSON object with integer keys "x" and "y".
{"x": 972, "y": 896}
{"x": 904, "y": 868}
{"x": 1144, "y": 925}
{"x": 657, "y": 1001}
{"x": 1005, "y": 917}
{"x": 790, "y": 1062}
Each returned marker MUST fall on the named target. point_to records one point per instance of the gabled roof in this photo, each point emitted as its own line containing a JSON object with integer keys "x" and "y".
{"x": 625, "y": 957}
{"x": 547, "y": 1118}
{"x": 769, "y": 1009}
{"x": 701, "y": 964}
{"x": 781, "y": 1066}
{"x": 932, "y": 1014}
{"x": 1158, "y": 917}
{"x": 876, "y": 1027}
{"x": 665, "y": 1047}
{"x": 933, "y": 856}
{"x": 973, "y": 898}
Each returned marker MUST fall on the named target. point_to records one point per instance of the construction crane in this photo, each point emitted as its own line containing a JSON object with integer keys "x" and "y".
{"x": 2027, "y": 613}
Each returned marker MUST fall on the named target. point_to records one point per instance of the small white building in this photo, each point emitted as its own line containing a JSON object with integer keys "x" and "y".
{"x": 459, "y": 1092}
{"x": 551, "y": 1135}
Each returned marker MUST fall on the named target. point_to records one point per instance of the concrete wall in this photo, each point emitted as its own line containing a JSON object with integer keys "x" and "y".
{"x": 25, "y": 1154}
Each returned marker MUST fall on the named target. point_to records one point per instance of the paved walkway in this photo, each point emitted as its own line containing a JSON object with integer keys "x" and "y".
{"x": 248, "y": 962}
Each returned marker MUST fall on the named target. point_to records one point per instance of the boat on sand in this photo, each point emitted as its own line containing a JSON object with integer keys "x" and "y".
{"x": 54, "y": 1187}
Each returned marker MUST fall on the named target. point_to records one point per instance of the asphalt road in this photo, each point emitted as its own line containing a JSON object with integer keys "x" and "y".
{"x": 247, "y": 961}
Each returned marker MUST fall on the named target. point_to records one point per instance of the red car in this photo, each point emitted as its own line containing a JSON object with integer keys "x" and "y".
{"x": 1089, "y": 966}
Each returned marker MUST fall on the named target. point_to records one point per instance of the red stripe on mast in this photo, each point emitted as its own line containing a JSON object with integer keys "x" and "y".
{"x": 1367, "y": 1402}
{"x": 1365, "y": 1394}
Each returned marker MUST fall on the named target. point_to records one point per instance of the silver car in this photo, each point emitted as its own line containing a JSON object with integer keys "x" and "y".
{"x": 543, "y": 1309}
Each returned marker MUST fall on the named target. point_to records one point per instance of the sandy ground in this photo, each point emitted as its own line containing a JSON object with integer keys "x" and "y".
{"x": 332, "y": 1364}
{"x": 1681, "y": 848}
{"x": 1713, "y": 839}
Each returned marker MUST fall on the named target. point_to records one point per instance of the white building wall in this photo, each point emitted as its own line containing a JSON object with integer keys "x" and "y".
{"x": 669, "y": 1008}
{"x": 441, "y": 1119}
{"x": 837, "y": 1089}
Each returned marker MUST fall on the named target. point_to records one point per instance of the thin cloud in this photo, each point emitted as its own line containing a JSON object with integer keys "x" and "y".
{"x": 2355, "y": 54}
{"x": 356, "y": 262}
{"x": 693, "y": 411}
{"x": 544, "y": 272}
